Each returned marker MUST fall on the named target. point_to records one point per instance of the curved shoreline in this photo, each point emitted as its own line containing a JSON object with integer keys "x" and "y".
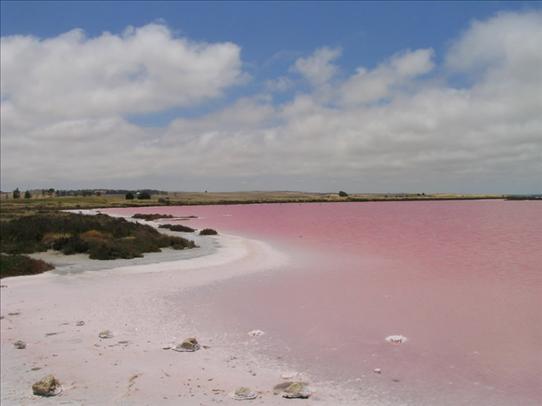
{"x": 131, "y": 301}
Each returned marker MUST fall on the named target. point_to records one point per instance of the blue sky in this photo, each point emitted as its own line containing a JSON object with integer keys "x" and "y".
{"x": 266, "y": 28}
{"x": 271, "y": 37}
{"x": 271, "y": 34}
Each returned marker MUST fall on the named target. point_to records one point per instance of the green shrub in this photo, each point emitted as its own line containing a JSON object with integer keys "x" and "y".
{"x": 71, "y": 245}
{"x": 151, "y": 217}
{"x": 143, "y": 196}
{"x": 101, "y": 236}
{"x": 17, "y": 265}
{"x": 208, "y": 231}
{"x": 178, "y": 227}
{"x": 113, "y": 250}
{"x": 180, "y": 245}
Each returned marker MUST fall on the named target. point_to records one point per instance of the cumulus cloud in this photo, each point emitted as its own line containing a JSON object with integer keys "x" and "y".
{"x": 369, "y": 86}
{"x": 398, "y": 127}
{"x": 509, "y": 43}
{"x": 318, "y": 68}
{"x": 143, "y": 69}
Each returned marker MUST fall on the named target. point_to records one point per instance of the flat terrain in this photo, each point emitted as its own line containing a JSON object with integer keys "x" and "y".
{"x": 59, "y": 318}
{"x": 13, "y": 208}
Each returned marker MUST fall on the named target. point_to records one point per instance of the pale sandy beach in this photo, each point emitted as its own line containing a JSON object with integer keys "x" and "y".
{"x": 132, "y": 367}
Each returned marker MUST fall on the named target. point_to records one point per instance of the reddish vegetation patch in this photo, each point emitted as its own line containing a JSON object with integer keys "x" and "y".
{"x": 95, "y": 235}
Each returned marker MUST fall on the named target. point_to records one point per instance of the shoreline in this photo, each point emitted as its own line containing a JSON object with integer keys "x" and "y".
{"x": 131, "y": 301}
{"x": 81, "y": 263}
{"x": 13, "y": 208}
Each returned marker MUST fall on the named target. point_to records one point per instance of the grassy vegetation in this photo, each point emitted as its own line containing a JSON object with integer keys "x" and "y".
{"x": 198, "y": 198}
{"x": 101, "y": 236}
{"x": 14, "y": 208}
{"x": 151, "y": 217}
{"x": 208, "y": 231}
{"x": 16, "y": 265}
{"x": 177, "y": 227}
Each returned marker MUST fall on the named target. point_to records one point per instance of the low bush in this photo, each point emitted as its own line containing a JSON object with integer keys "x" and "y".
{"x": 101, "y": 236}
{"x": 50, "y": 238}
{"x": 151, "y": 217}
{"x": 208, "y": 231}
{"x": 178, "y": 227}
{"x": 92, "y": 235}
{"x": 143, "y": 195}
{"x": 17, "y": 265}
{"x": 71, "y": 245}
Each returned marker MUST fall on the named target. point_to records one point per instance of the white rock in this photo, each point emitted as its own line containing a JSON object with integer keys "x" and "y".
{"x": 243, "y": 393}
{"x": 189, "y": 345}
{"x": 105, "y": 334}
{"x": 396, "y": 339}
{"x": 296, "y": 390}
{"x": 256, "y": 333}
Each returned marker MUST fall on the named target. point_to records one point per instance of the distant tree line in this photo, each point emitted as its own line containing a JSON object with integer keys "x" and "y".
{"x": 90, "y": 192}
{"x": 129, "y": 194}
{"x": 142, "y": 195}
{"x": 17, "y": 194}
{"x": 524, "y": 197}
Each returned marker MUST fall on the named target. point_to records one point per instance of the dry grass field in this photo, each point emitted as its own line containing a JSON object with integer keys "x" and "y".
{"x": 13, "y": 208}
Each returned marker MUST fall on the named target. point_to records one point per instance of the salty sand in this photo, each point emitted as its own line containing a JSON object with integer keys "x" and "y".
{"x": 131, "y": 300}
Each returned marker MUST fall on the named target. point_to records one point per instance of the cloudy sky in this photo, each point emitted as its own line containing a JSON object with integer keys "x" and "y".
{"x": 365, "y": 97}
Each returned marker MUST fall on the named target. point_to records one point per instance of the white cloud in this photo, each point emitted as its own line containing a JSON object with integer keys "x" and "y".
{"x": 389, "y": 128}
{"x": 318, "y": 68}
{"x": 280, "y": 84}
{"x": 144, "y": 69}
{"x": 369, "y": 86}
{"x": 509, "y": 41}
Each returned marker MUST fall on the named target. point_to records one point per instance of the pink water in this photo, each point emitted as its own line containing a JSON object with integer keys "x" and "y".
{"x": 461, "y": 280}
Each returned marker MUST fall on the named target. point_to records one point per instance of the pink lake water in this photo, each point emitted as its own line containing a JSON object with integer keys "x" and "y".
{"x": 462, "y": 280}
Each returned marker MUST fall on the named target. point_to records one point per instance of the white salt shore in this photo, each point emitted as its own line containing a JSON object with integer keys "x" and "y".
{"x": 132, "y": 368}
